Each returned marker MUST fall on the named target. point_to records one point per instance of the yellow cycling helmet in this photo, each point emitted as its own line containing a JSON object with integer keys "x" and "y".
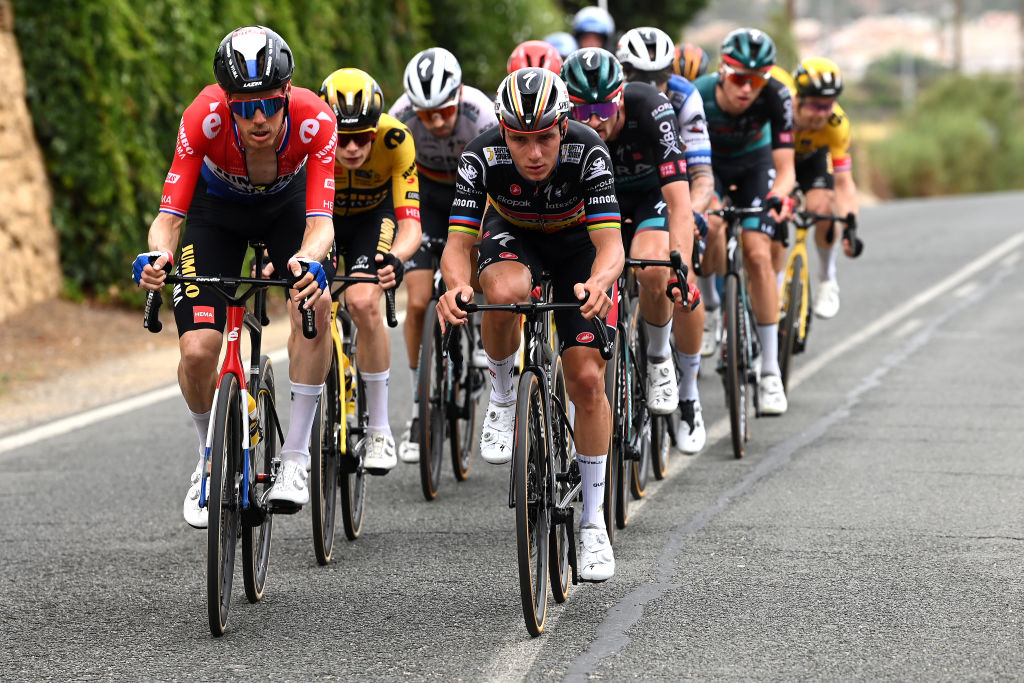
{"x": 818, "y": 77}
{"x": 356, "y": 99}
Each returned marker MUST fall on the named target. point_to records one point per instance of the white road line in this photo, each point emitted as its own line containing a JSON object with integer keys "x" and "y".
{"x": 67, "y": 424}
{"x": 908, "y": 328}
{"x": 511, "y": 661}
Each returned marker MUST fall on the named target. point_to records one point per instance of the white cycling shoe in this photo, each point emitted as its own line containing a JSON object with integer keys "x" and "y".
{"x": 662, "y": 389}
{"x": 771, "y": 396}
{"x": 690, "y": 433}
{"x": 380, "y": 455}
{"x": 826, "y": 299}
{"x": 290, "y": 484}
{"x": 497, "y": 437}
{"x": 195, "y": 516}
{"x": 712, "y": 332}
{"x": 409, "y": 448}
{"x": 597, "y": 561}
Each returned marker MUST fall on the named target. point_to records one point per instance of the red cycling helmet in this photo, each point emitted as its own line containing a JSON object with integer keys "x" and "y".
{"x": 535, "y": 53}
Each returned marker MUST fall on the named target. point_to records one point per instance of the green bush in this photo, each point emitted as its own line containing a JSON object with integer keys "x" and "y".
{"x": 964, "y": 135}
{"x": 109, "y": 79}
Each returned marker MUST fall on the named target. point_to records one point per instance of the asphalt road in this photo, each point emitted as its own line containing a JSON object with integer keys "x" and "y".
{"x": 875, "y": 531}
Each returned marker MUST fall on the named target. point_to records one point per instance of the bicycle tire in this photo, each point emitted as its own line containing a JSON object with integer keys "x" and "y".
{"x": 432, "y": 405}
{"x": 558, "y": 548}
{"x": 735, "y": 369}
{"x": 621, "y": 429}
{"x": 256, "y": 538}
{"x": 324, "y": 456}
{"x": 462, "y": 408}
{"x": 642, "y": 420}
{"x": 351, "y": 475}
{"x": 789, "y": 322}
{"x": 661, "y": 445}
{"x": 530, "y": 458}
{"x": 611, "y": 466}
{"x": 222, "y": 534}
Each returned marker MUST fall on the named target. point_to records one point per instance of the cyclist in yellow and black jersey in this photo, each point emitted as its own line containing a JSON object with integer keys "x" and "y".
{"x": 824, "y": 168}
{"x": 377, "y": 191}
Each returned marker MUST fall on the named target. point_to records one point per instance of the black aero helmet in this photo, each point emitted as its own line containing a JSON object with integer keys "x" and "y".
{"x": 253, "y": 58}
{"x": 531, "y": 100}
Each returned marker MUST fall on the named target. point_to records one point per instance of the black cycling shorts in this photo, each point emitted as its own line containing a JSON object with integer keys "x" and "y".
{"x": 568, "y": 255}
{"x": 360, "y": 237}
{"x": 217, "y": 234}
{"x": 435, "y": 210}
{"x": 645, "y": 210}
{"x": 753, "y": 175}
{"x": 814, "y": 172}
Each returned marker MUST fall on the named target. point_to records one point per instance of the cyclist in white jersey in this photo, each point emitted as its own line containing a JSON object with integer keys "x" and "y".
{"x": 443, "y": 115}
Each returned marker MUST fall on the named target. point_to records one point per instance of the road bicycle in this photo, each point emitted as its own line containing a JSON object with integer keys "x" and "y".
{"x": 796, "y": 301}
{"x": 740, "y": 344}
{"x": 633, "y": 426}
{"x": 545, "y": 478}
{"x": 337, "y": 440}
{"x": 447, "y": 392}
{"x": 237, "y": 477}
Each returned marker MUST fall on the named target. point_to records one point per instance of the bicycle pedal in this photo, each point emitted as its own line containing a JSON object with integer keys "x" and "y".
{"x": 254, "y": 515}
{"x": 282, "y": 507}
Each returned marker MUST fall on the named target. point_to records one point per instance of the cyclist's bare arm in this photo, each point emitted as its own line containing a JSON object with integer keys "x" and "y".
{"x": 785, "y": 177}
{"x": 164, "y": 233}
{"x": 456, "y": 270}
{"x": 680, "y": 219}
{"x": 702, "y": 186}
{"x": 608, "y": 264}
{"x": 846, "y": 200}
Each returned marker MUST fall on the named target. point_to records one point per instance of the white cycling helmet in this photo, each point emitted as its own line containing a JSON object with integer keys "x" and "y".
{"x": 646, "y": 49}
{"x": 432, "y": 78}
{"x": 593, "y": 20}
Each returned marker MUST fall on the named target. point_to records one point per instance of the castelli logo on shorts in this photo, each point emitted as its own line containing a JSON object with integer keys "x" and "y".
{"x": 508, "y": 255}
{"x": 585, "y": 337}
{"x": 202, "y": 314}
{"x": 515, "y": 189}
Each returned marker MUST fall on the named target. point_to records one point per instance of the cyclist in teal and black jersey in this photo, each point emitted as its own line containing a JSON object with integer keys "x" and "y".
{"x": 750, "y": 121}
{"x": 443, "y": 115}
{"x": 550, "y": 196}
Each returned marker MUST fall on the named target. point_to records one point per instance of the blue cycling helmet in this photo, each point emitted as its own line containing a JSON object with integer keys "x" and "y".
{"x": 593, "y": 20}
{"x": 563, "y": 42}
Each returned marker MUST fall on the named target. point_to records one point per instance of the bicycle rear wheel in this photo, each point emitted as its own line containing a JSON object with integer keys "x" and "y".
{"x": 223, "y": 504}
{"x": 622, "y": 428}
{"x": 461, "y": 410}
{"x": 258, "y": 526}
{"x": 789, "y": 322}
{"x": 432, "y": 405}
{"x": 612, "y": 464}
{"x": 558, "y": 548}
{"x": 324, "y": 455}
{"x": 734, "y": 350}
{"x": 351, "y": 475}
{"x": 530, "y": 480}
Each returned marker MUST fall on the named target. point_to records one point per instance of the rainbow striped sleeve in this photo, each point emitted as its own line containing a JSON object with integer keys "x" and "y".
{"x": 466, "y": 224}
{"x": 598, "y": 221}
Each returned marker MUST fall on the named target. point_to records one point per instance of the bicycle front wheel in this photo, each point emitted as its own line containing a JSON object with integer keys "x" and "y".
{"x": 612, "y": 466}
{"x": 432, "y": 405}
{"x": 789, "y": 321}
{"x": 530, "y": 481}
{"x": 622, "y": 426}
{"x": 351, "y": 475}
{"x": 561, "y": 444}
{"x": 324, "y": 455}
{"x": 462, "y": 399}
{"x": 257, "y": 525}
{"x": 223, "y": 503}
{"x": 640, "y": 432}
{"x": 661, "y": 445}
{"x": 734, "y": 350}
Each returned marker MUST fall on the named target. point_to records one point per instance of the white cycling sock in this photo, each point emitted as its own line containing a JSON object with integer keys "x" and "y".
{"x": 827, "y": 261}
{"x": 202, "y": 421}
{"x": 658, "y": 340}
{"x": 689, "y": 364}
{"x": 377, "y": 400}
{"x": 303, "y": 407}
{"x": 592, "y": 472}
{"x": 708, "y": 292}
{"x": 503, "y": 389}
{"x": 414, "y": 373}
{"x": 769, "y": 336}
{"x": 780, "y": 277}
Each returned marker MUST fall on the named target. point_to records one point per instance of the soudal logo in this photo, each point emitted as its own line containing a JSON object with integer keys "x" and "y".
{"x": 202, "y": 314}
{"x": 508, "y": 255}
{"x": 329, "y": 183}
{"x": 516, "y": 190}
{"x": 585, "y": 337}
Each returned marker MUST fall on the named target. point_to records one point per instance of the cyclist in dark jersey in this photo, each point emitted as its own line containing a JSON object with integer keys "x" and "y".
{"x": 750, "y": 121}
{"x": 550, "y": 196}
{"x": 245, "y": 149}
{"x": 638, "y": 123}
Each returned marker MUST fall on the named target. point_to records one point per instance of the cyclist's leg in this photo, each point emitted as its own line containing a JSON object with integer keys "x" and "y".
{"x": 819, "y": 199}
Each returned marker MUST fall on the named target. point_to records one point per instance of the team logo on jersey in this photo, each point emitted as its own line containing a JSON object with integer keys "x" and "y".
{"x": 308, "y": 130}
{"x": 497, "y": 155}
{"x": 362, "y": 263}
{"x": 508, "y": 255}
{"x": 516, "y": 190}
{"x": 172, "y": 178}
{"x": 211, "y": 125}
{"x": 667, "y": 170}
{"x": 572, "y": 153}
{"x": 467, "y": 171}
{"x": 585, "y": 337}
{"x": 202, "y": 314}
{"x": 598, "y": 167}
{"x": 328, "y": 183}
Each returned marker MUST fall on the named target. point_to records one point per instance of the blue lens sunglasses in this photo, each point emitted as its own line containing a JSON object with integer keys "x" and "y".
{"x": 268, "y": 105}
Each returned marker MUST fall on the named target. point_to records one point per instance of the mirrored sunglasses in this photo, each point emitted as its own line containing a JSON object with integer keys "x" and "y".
{"x": 361, "y": 138}
{"x": 604, "y": 110}
{"x": 741, "y": 78}
{"x": 268, "y": 105}
{"x": 444, "y": 112}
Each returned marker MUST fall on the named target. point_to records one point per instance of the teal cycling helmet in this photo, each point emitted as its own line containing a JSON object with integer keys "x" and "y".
{"x": 748, "y": 48}
{"x": 592, "y": 75}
